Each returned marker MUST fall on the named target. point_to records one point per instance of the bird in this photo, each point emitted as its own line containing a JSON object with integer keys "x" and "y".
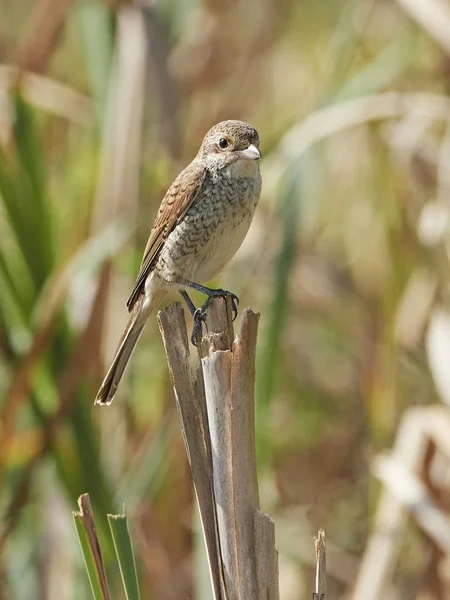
{"x": 201, "y": 223}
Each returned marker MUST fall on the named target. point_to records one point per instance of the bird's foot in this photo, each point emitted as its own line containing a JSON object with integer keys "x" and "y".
{"x": 199, "y": 314}
{"x": 212, "y": 293}
{"x": 223, "y": 294}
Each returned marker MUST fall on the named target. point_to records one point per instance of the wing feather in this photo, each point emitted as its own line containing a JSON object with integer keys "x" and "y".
{"x": 177, "y": 201}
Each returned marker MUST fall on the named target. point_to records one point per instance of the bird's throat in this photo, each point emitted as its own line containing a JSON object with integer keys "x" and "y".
{"x": 243, "y": 168}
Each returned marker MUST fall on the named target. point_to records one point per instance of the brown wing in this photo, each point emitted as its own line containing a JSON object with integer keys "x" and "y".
{"x": 177, "y": 201}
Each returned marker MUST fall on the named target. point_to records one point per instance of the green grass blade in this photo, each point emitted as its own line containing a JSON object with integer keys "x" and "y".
{"x": 144, "y": 478}
{"x": 88, "y": 558}
{"x": 31, "y": 183}
{"x": 28, "y": 147}
{"x": 381, "y": 71}
{"x": 90, "y": 547}
{"x": 20, "y": 226}
{"x": 339, "y": 56}
{"x": 270, "y": 358}
{"x": 24, "y": 194}
{"x": 10, "y": 286}
{"x": 125, "y": 555}
{"x": 87, "y": 447}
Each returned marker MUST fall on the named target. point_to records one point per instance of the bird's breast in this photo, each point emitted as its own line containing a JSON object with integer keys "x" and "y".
{"x": 213, "y": 228}
{"x": 230, "y": 218}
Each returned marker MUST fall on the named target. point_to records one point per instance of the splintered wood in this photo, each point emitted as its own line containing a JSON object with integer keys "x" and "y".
{"x": 216, "y": 408}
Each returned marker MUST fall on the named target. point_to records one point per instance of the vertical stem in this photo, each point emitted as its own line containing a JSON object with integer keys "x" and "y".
{"x": 217, "y": 415}
{"x": 321, "y": 566}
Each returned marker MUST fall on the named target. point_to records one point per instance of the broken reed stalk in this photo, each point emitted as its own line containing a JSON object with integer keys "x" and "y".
{"x": 216, "y": 409}
{"x": 321, "y": 566}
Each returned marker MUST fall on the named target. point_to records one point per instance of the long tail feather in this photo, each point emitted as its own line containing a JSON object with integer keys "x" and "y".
{"x": 124, "y": 351}
{"x": 143, "y": 306}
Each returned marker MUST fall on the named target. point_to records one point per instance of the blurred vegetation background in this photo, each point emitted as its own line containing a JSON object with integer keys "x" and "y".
{"x": 101, "y": 105}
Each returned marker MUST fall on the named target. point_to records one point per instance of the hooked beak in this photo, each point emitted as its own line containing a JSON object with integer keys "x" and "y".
{"x": 252, "y": 153}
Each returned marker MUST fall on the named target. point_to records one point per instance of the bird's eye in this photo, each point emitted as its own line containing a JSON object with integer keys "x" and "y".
{"x": 223, "y": 143}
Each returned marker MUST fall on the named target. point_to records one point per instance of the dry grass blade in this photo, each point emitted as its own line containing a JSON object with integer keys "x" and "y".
{"x": 321, "y": 566}
{"x": 413, "y": 495}
{"x": 118, "y": 185}
{"x": 47, "y": 94}
{"x": 42, "y": 32}
{"x": 383, "y": 546}
{"x": 84, "y": 520}
{"x": 357, "y": 111}
{"x": 433, "y": 16}
{"x": 163, "y": 81}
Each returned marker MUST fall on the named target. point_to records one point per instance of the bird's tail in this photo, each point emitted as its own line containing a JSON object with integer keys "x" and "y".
{"x": 138, "y": 317}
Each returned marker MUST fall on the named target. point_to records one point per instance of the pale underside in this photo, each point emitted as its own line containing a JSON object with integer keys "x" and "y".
{"x": 208, "y": 235}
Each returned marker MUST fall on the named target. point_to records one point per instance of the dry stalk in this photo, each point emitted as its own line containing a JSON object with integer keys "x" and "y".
{"x": 321, "y": 566}
{"x": 216, "y": 408}
{"x": 404, "y": 492}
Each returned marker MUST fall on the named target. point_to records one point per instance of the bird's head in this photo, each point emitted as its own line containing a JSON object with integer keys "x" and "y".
{"x": 229, "y": 142}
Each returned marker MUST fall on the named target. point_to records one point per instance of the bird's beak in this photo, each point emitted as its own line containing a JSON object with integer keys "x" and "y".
{"x": 252, "y": 153}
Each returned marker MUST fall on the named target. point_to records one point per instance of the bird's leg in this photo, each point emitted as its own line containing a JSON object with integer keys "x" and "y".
{"x": 197, "y": 313}
{"x": 191, "y": 306}
{"x": 211, "y": 293}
